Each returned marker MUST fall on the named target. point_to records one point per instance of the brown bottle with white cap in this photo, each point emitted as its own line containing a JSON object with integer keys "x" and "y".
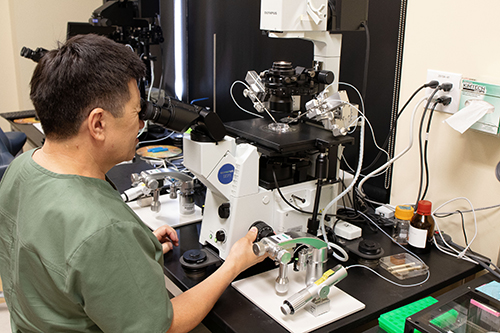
{"x": 421, "y": 228}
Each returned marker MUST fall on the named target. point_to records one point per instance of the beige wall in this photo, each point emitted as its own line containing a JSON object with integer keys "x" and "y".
{"x": 461, "y": 37}
{"x": 31, "y": 23}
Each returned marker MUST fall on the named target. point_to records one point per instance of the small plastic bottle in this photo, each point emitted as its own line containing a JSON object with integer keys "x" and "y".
{"x": 421, "y": 228}
{"x": 403, "y": 216}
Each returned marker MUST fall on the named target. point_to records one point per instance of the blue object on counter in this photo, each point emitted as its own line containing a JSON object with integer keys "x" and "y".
{"x": 157, "y": 149}
{"x": 491, "y": 289}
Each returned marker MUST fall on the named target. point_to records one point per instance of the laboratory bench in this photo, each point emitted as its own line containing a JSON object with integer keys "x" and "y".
{"x": 233, "y": 312}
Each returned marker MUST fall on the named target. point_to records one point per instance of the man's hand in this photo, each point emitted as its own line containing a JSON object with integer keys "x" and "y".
{"x": 188, "y": 310}
{"x": 241, "y": 255}
{"x": 167, "y": 237}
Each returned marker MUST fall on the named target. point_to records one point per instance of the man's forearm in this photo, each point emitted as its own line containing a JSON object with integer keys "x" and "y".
{"x": 193, "y": 305}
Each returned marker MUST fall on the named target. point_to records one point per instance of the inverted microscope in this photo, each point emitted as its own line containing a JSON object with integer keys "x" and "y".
{"x": 278, "y": 170}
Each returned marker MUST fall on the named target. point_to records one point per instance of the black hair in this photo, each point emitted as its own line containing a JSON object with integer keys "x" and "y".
{"x": 86, "y": 72}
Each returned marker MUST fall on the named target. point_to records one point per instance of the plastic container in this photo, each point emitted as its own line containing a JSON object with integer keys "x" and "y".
{"x": 421, "y": 228}
{"x": 394, "y": 321}
{"x": 403, "y": 265}
{"x": 403, "y": 215}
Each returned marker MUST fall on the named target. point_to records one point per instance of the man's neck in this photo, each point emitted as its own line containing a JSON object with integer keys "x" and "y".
{"x": 70, "y": 157}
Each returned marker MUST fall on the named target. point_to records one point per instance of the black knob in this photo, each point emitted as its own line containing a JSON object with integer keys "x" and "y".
{"x": 369, "y": 247}
{"x": 264, "y": 230}
{"x": 224, "y": 210}
{"x": 325, "y": 77}
{"x": 194, "y": 256}
{"x": 220, "y": 236}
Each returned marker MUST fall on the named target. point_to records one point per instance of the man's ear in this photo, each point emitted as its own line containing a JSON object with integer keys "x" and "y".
{"x": 96, "y": 123}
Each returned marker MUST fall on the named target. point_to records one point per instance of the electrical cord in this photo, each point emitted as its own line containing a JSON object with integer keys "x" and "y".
{"x": 356, "y": 121}
{"x": 392, "y": 128}
{"x": 445, "y": 100}
{"x": 358, "y": 171}
{"x": 283, "y": 197}
{"x": 391, "y": 161}
{"x": 463, "y": 222}
{"x": 160, "y": 139}
{"x": 470, "y": 256}
{"x": 463, "y": 228}
{"x": 367, "y": 59}
{"x": 338, "y": 248}
{"x": 234, "y": 100}
{"x": 424, "y": 156}
{"x": 152, "y": 64}
{"x": 405, "y": 249}
{"x": 331, "y": 245}
{"x": 445, "y": 87}
{"x": 386, "y": 279}
{"x": 462, "y": 253}
{"x": 434, "y": 92}
{"x": 469, "y": 211}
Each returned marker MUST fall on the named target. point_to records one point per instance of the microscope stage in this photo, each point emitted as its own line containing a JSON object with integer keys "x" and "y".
{"x": 302, "y": 136}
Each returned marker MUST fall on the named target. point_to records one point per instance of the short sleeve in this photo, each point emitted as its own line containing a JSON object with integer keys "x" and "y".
{"x": 117, "y": 276}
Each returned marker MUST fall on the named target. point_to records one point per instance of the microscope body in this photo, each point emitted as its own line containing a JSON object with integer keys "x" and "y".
{"x": 234, "y": 199}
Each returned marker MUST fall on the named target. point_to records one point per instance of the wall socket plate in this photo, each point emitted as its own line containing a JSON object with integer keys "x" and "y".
{"x": 443, "y": 77}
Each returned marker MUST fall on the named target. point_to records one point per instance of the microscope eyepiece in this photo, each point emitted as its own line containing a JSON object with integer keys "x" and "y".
{"x": 149, "y": 111}
{"x": 33, "y": 55}
{"x": 177, "y": 116}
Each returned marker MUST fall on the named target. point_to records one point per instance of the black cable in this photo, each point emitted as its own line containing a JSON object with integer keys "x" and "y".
{"x": 367, "y": 60}
{"x": 426, "y": 163}
{"x": 283, "y": 197}
{"x": 442, "y": 216}
{"x": 481, "y": 260}
{"x": 487, "y": 267}
{"x": 463, "y": 228}
{"x": 392, "y": 129}
{"x": 434, "y": 92}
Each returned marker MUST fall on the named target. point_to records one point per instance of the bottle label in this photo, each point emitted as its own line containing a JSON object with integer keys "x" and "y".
{"x": 417, "y": 237}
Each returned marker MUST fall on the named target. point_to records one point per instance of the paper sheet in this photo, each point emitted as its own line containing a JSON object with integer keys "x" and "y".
{"x": 468, "y": 116}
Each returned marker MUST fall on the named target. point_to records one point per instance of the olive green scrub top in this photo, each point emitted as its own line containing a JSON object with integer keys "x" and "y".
{"x": 75, "y": 258}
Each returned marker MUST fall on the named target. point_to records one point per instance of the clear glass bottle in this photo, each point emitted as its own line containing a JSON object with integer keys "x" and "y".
{"x": 421, "y": 228}
{"x": 403, "y": 215}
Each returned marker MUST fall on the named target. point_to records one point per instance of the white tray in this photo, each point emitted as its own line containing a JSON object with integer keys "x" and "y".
{"x": 260, "y": 290}
{"x": 168, "y": 214}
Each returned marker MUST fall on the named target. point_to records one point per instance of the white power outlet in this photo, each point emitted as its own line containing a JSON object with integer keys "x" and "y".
{"x": 454, "y": 93}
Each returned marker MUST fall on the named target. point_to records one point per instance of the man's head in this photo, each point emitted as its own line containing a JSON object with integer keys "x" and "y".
{"x": 85, "y": 73}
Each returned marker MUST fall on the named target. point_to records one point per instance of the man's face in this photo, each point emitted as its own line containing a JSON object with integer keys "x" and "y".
{"x": 125, "y": 129}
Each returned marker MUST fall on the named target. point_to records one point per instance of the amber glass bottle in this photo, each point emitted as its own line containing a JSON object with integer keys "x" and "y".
{"x": 421, "y": 228}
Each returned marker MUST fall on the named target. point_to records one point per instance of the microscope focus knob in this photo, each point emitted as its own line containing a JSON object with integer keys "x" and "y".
{"x": 263, "y": 230}
{"x": 224, "y": 210}
{"x": 152, "y": 184}
{"x": 135, "y": 178}
{"x": 220, "y": 236}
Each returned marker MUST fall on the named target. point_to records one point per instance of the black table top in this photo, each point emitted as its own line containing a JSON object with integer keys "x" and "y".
{"x": 234, "y": 313}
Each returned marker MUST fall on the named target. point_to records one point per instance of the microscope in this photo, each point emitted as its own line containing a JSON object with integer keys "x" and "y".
{"x": 281, "y": 169}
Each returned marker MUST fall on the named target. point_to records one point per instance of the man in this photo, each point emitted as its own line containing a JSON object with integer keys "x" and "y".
{"x": 73, "y": 256}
